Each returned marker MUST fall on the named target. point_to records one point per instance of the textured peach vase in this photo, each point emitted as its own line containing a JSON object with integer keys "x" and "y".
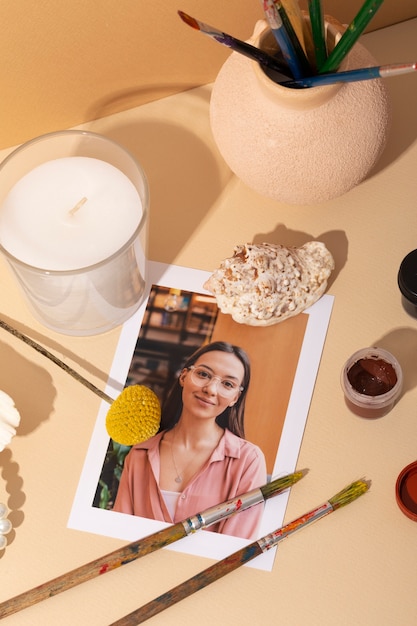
{"x": 298, "y": 146}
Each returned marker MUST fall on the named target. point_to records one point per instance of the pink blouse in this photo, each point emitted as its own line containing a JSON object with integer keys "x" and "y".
{"x": 235, "y": 467}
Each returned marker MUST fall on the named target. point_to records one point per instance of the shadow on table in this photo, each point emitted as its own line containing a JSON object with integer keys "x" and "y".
{"x": 186, "y": 175}
{"x": 402, "y": 343}
{"x": 13, "y": 484}
{"x": 57, "y": 349}
{"x": 29, "y": 385}
{"x": 335, "y": 241}
{"x": 184, "y": 181}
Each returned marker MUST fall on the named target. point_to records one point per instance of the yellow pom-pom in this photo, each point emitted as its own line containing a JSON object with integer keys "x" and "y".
{"x": 134, "y": 416}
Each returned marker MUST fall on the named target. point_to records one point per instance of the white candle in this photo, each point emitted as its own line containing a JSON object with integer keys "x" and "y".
{"x": 73, "y": 218}
{"x": 38, "y": 226}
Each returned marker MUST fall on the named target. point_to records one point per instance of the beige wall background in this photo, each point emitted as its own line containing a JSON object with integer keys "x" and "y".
{"x": 65, "y": 62}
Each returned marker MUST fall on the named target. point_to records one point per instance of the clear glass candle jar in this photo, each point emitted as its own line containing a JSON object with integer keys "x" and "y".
{"x": 73, "y": 228}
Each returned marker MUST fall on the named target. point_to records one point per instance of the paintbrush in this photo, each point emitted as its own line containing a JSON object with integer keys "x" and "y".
{"x": 351, "y": 35}
{"x": 138, "y": 549}
{"x": 318, "y": 31}
{"x": 135, "y": 414}
{"x": 350, "y": 76}
{"x": 300, "y": 55}
{"x": 252, "y": 52}
{"x": 292, "y": 9}
{"x": 54, "y": 359}
{"x": 239, "y": 558}
{"x": 284, "y": 40}
{"x": 301, "y": 27}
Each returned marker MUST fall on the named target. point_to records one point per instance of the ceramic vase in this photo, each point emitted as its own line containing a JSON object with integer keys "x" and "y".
{"x": 298, "y": 146}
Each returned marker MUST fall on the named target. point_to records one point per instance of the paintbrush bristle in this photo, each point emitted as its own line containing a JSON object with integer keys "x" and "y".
{"x": 189, "y": 20}
{"x": 350, "y": 493}
{"x": 275, "y": 486}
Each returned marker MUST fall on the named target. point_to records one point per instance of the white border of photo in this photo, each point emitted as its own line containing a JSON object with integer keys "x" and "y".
{"x": 216, "y": 546}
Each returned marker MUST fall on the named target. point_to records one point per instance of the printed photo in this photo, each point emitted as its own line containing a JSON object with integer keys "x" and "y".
{"x": 226, "y": 392}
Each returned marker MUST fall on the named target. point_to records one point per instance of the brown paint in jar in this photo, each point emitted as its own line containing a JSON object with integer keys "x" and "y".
{"x": 372, "y": 382}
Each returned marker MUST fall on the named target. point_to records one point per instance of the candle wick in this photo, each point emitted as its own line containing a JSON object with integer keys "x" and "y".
{"x": 78, "y": 206}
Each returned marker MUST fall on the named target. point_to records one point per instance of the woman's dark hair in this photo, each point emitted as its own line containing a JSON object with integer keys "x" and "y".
{"x": 232, "y": 417}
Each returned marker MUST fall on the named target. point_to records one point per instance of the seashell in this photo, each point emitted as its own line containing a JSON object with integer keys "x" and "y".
{"x": 9, "y": 419}
{"x": 262, "y": 284}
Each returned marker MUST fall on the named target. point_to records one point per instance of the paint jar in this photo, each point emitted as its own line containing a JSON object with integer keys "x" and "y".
{"x": 407, "y": 282}
{"x": 406, "y": 491}
{"x": 372, "y": 382}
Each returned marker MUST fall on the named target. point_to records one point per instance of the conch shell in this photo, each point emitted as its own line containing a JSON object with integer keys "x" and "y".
{"x": 262, "y": 284}
{"x": 9, "y": 419}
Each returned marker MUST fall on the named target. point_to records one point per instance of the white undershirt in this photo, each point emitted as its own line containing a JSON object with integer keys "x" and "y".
{"x": 171, "y": 498}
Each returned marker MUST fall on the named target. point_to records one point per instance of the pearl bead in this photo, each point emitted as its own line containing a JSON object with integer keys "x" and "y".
{"x": 3, "y": 542}
{"x": 5, "y": 526}
{"x": 3, "y": 510}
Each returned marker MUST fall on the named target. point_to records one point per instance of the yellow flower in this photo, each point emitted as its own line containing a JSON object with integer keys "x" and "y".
{"x": 134, "y": 416}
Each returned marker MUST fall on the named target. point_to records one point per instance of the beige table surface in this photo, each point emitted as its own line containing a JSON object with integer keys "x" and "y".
{"x": 358, "y": 566}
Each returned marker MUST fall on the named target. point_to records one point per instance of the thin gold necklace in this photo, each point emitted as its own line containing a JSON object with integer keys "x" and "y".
{"x": 178, "y": 478}
{"x": 179, "y": 475}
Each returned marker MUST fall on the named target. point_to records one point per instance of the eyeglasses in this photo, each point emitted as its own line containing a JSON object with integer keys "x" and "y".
{"x": 202, "y": 377}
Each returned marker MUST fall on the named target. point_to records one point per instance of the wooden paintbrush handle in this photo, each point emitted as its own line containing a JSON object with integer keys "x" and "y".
{"x": 102, "y": 565}
{"x": 54, "y": 359}
{"x": 190, "y": 586}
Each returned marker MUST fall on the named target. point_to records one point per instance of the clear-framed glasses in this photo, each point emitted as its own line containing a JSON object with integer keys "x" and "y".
{"x": 225, "y": 386}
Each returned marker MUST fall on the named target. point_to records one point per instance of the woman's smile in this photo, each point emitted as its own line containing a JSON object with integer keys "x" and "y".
{"x": 204, "y": 399}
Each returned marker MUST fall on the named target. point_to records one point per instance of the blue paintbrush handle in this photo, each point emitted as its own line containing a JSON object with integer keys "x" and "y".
{"x": 351, "y": 76}
{"x": 283, "y": 38}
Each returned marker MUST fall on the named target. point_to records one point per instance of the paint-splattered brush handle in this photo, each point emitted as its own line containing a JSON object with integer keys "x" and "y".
{"x": 197, "y": 582}
{"x": 241, "y": 557}
{"x": 219, "y": 569}
{"x": 142, "y": 547}
{"x": 119, "y": 557}
{"x": 242, "y": 47}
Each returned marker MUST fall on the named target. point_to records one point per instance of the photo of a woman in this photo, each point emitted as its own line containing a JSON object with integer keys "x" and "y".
{"x": 220, "y": 436}
{"x": 199, "y": 457}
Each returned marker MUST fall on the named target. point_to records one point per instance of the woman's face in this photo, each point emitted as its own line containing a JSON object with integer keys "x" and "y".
{"x": 218, "y": 371}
